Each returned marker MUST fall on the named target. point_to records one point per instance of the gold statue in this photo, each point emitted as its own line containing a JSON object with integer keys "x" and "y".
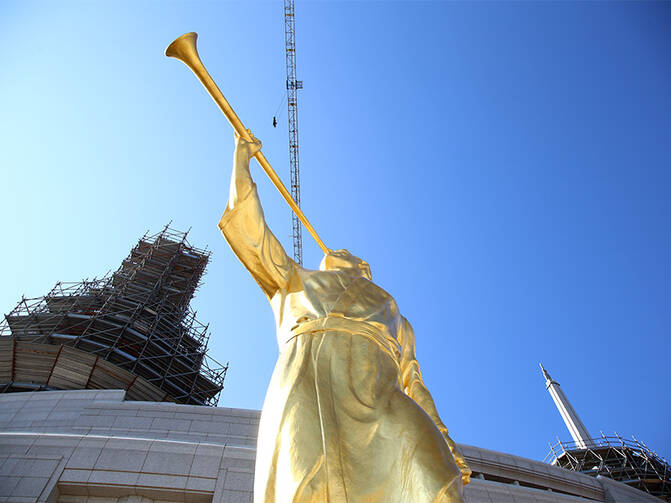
{"x": 347, "y": 417}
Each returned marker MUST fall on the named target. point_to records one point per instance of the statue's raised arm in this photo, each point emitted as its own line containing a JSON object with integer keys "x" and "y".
{"x": 244, "y": 226}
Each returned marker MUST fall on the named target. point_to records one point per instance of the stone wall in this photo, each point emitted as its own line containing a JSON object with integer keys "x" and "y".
{"x": 93, "y": 446}
{"x": 72, "y": 446}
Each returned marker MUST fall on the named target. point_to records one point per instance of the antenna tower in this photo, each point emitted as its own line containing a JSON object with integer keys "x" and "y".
{"x": 293, "y": 86}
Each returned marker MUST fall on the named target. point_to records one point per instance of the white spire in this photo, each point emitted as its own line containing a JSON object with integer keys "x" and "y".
{"x": 575, "y": 427}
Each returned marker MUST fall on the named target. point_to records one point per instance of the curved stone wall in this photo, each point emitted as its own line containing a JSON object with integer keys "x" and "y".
{"x": 93, "y": 446}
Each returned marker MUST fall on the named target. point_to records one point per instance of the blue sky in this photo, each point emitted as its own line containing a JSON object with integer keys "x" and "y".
{"x": 504, "y": 168}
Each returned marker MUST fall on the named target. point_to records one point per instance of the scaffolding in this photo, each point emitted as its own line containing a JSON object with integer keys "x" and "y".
{"x": 132, "y": 329}
{"x": 628, "y": 461}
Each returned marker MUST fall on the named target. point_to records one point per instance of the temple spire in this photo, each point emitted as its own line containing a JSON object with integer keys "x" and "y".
{"x": 575, "y": 426}
{"x": 545, "y": 373}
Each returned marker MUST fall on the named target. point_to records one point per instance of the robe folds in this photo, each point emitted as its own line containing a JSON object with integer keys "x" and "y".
{"x": 346, "y": 417}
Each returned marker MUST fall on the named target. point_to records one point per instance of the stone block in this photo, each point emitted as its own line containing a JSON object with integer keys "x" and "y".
{"x": 132, "y": 422}
{"x": 192, "y": 437}
{"x": 116, "y": 395}
{"x": 10, "y": 407}
{"x": 50, "y": 450}
{"x": 209, "y": 427}
{"x": 6, "y": 417}
{"x": 233, "y": 419}
{"x": 144, "y": 435}
{"x": 104, "y": 432}
{"x": 15, "y": 445}
{"x": 55, "y": 439}
{"x": 54, "y": 426}
{"x": 156, "y": 413}
{"x": 197, "y": 497}
{"x": 95, "y": 420}
{"x": 74, "y": 476}
{"x": 205, "y": 466}
{"x": 469, "y": 451}
{"x": 525, "y": 464}
{"x": 173, "y": 447}
{"x": 120, "y": 459}
{"x": 167, "y": 482}
{"x": 17, "y": 397}
{"x": 87, "y": 441}
{"x": 22, "y": 425}
{"x": 249, "y": 442}
{"x": 161, "y": 406}
{"x": 200, "y": 484}
{"x": 28, "y": 416}
{"x": 43, "y": 403}
{"x": 15, "y": 466}
{"x": 209, "y": 450}
{"x": 43, "y": 467}
{"x": 116, "y": 411}
{"x": 203, "y": 414}
{"x": 505, "y": 494}
{"x": 77, "y": 404}
{"x": 29, "y": 487}
{"x": 7, "y": 485}
{"x": 53, "y": 446}
{"x": 80, "y": 430}
{"x": 243, "y": 464}
{"x": 109, "y": 491}
{"x": 113, "y": 478}
{"x": 160, "y": 495}
{"x": 228, "y": 496}
{"x": 136, "y": 444}
{"x": 240, "y": 453}
{"x": 251, "y": 413}
{"x": 58, "y": 415}
{"x": 242, "y": 429}
{"x": 70, "y": 498}
{"x": 160, "y": 423}
{"x": 238, "y": 480}
{"x": 168, "y": 463}
{"x": 91, "y": 411}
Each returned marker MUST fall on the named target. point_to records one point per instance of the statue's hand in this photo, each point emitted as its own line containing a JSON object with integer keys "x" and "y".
{"x": 248, "y": 147}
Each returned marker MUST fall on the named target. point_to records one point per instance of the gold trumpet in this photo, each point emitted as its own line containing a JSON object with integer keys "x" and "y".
{"x": 184, "y": 49}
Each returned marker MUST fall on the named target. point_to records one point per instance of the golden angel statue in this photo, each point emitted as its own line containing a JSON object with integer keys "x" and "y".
{"x": 347, "y": 417}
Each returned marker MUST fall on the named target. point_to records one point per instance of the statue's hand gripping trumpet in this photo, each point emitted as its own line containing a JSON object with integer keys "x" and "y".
{"x": 347, "y": 417}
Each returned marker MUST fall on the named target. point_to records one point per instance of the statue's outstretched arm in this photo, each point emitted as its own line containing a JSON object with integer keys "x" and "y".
{"x": 244, "y": 226}
{"x": 414, "y": 387}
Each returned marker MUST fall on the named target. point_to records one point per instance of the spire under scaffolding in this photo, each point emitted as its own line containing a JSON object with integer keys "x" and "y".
{"x": 132, "y": 329}
{"x": 631, "y": 463}
{"x": 575, "y": 426}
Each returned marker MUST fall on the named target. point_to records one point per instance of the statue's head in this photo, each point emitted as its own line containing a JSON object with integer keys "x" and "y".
{"x": 342, "y": 260}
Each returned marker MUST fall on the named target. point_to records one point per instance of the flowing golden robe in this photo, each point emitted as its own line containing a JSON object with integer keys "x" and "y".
{"x": 346, "y": 416}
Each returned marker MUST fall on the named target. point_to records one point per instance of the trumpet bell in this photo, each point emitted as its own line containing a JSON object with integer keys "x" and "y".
{"x": 184, "y": 48}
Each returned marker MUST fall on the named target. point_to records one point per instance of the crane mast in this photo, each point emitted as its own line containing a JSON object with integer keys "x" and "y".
{"x": 293, "y": 86}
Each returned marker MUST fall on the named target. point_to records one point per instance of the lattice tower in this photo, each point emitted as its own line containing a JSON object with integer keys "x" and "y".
{"x": 293, "y": 86}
